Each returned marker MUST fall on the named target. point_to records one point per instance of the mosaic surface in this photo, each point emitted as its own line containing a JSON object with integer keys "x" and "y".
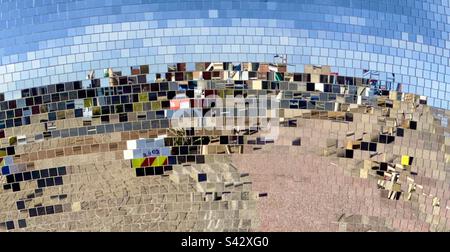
{"x": 53, "y": 41}
{"x": 225, "y": 147}
{"x": 225, "y": 115}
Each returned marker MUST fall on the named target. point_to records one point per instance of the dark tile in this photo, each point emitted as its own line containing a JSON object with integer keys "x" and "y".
{"x": 310, "y": 86}
{"x": 27, "y": 176}
{"x": 44, "y": 173}
{"x": 36, "y": 174}
{"x": 6, "y": 186}
{"x": 78, "y": 112}
{"x": 372, "y": 146}
{"x": 10, "y": 150}
{"x": 10, "y": 179}
{"x": 53, "y": 172}
{"x": 41, "y": 183}
{"x": 149, "y": 171}
{"x": 9, "y": 225}
{"x": 140, "y": 172}
{"x": 62, "y": 171}
{"x": 223, "y": 139}
{"x": 200, "y": 159}
{"x": 172, "y": 160}
{"x": 18, "y": 177}
{"x": 58, "y": 180}
{"x": 20, "y": 205}
{"x": 191, "y": 158}
{"x": 349, "y": 153}
{"x": 390, "y": 139}
{"x": 159, "y": 170}
{"x": 22, "y": 223}
{"x": 400, "y": 132}
{"x": 49, "y": 182}
{"x": 32, "y": 212}
{"x": 296, "y": 142}
{"x": 49, "y": 210}
{"x": 41, "y": 210}
{"x": 202, "y": 177}
{"x": 382, "y": 139}
{"x": 15, "y": 187}
{"x": 413, "y": 125}
{"x": 364, "y": 146}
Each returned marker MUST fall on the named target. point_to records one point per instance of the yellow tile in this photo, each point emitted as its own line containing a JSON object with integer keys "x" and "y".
{"x": 159, "y": 161}
{"x": 143, "y": 97}
{"x": 405, "y": 160}
{"x": 88, "y": 102}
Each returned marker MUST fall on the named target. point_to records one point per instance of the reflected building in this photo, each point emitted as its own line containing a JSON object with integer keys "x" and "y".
{"x": 397, "y": 42}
